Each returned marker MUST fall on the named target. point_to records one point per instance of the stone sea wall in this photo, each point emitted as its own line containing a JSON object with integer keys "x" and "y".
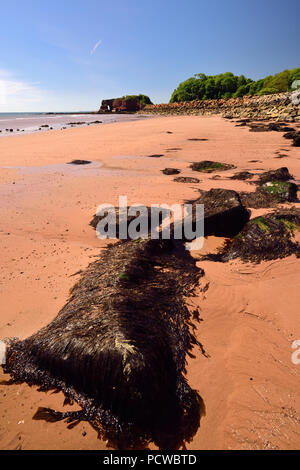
{"x": 282, "y": 106}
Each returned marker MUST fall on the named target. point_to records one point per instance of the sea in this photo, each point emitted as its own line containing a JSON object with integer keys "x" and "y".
{"x": 12, "y": 124}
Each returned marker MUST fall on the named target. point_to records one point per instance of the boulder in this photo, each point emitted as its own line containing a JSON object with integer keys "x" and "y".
{"x": 296, "y": 140}
{"x": 242, "y": 175}
{"x": 170, "y": 171}
{"x": 224, "y": 213}
{"x": 208, "y": 166}
{"x": 281, "y": 174}
{"x": 270, "y": 194}
{"x": 265, "y": 238}
{"x": 186, "y": 179}
{"x": 79, "y": 162}
{"x": 159, "y": 215}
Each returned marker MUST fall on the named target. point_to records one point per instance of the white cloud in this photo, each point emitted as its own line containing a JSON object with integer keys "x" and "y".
{"x": 17, "y": 94}
{"x": 96, "y": 47}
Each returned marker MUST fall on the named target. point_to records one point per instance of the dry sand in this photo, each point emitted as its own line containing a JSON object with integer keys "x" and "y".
{"x": 250, "y": 312}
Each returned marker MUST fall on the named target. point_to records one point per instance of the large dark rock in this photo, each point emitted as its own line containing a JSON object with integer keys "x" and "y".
{"x": 270, "y": 194}
{"x": 224, "y": 214}
{"x": 296, "y": 140}
{"x": 281, "y": 174}
{"x": 265, "y": 238}
{"x": 170, "y": 171}
{"x": 186, "y": 179}
{"x": 242, "y": 175}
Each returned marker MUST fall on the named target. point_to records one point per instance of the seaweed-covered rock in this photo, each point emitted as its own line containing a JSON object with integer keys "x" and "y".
{"x": 118, "y": 348}
{"x": 282, "y": 190}
{"x": 153, "y": 214}
{"x": 281, "y": 174}
{"x": 170, "y": 171}
{"x": 265, "y": 238}
{"x": 270, "y": 194}
{"x": 242, "y": 175}
{"x": 186, "y": 179}
{"x": 296, "y": 140}
{"x": 208, "y": 166}
{"x": 290, "y": 135}
{"x": 79, "y": 162}
{"x": 224, "y": 214}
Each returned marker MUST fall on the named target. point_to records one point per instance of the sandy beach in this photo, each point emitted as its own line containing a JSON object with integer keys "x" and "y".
{"x": 249, "y": 312}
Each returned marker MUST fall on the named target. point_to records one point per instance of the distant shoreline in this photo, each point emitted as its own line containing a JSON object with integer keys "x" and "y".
{"x": 32, "y": 123}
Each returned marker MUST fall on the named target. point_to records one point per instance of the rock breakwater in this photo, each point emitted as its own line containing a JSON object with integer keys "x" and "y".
{"x": 279, "y": 106}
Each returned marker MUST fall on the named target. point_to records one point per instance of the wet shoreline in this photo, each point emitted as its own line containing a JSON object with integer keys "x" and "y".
{"x": 31, "y": 124}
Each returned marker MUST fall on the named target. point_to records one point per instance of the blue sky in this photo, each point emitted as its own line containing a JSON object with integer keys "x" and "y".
{"x": 48, "y": 63}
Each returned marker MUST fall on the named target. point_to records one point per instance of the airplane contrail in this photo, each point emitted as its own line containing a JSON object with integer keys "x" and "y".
{"x": 96, "y": 47}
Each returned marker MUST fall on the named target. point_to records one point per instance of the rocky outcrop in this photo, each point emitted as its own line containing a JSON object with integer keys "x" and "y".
{"x": 121, "y": 105}
{"x": 277, "y": 106}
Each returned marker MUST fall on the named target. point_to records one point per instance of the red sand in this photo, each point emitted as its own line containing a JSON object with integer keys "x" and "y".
{"x": 249, "y": 384}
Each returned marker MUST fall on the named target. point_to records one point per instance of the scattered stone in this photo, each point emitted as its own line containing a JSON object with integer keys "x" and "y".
{"x": 281, "y": 174}
{"x": 275, "y": 107}
{"x": 287, "y": 129}
{"x": 265, "y": 238}
{"x": 215, "y": 177}
{"x": 45, "y": 125}
{"x": 119, "y": 348}
{"x": 242, "y": 175}
{"x": 76, "y": 123}
{"x": 296, "y": 141}
{"x": 224, "y": 213}
{"x": 186, "y": 179}
{"x": 208, "y": 166}
{"x": 79, "y": 162}
{"x": 170, "y": 171}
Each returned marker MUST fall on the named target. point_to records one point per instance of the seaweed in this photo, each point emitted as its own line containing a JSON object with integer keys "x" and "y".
{"x": 118, "y": 348}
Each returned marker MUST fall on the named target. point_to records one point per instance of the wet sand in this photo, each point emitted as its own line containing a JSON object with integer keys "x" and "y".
{"x": 250, "y": 312}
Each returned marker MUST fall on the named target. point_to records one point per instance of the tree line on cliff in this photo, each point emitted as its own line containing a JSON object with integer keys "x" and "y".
{"x": 228, "y": 85}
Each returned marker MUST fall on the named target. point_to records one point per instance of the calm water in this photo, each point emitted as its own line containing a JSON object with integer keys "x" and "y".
{"x": 27, "y": 123}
